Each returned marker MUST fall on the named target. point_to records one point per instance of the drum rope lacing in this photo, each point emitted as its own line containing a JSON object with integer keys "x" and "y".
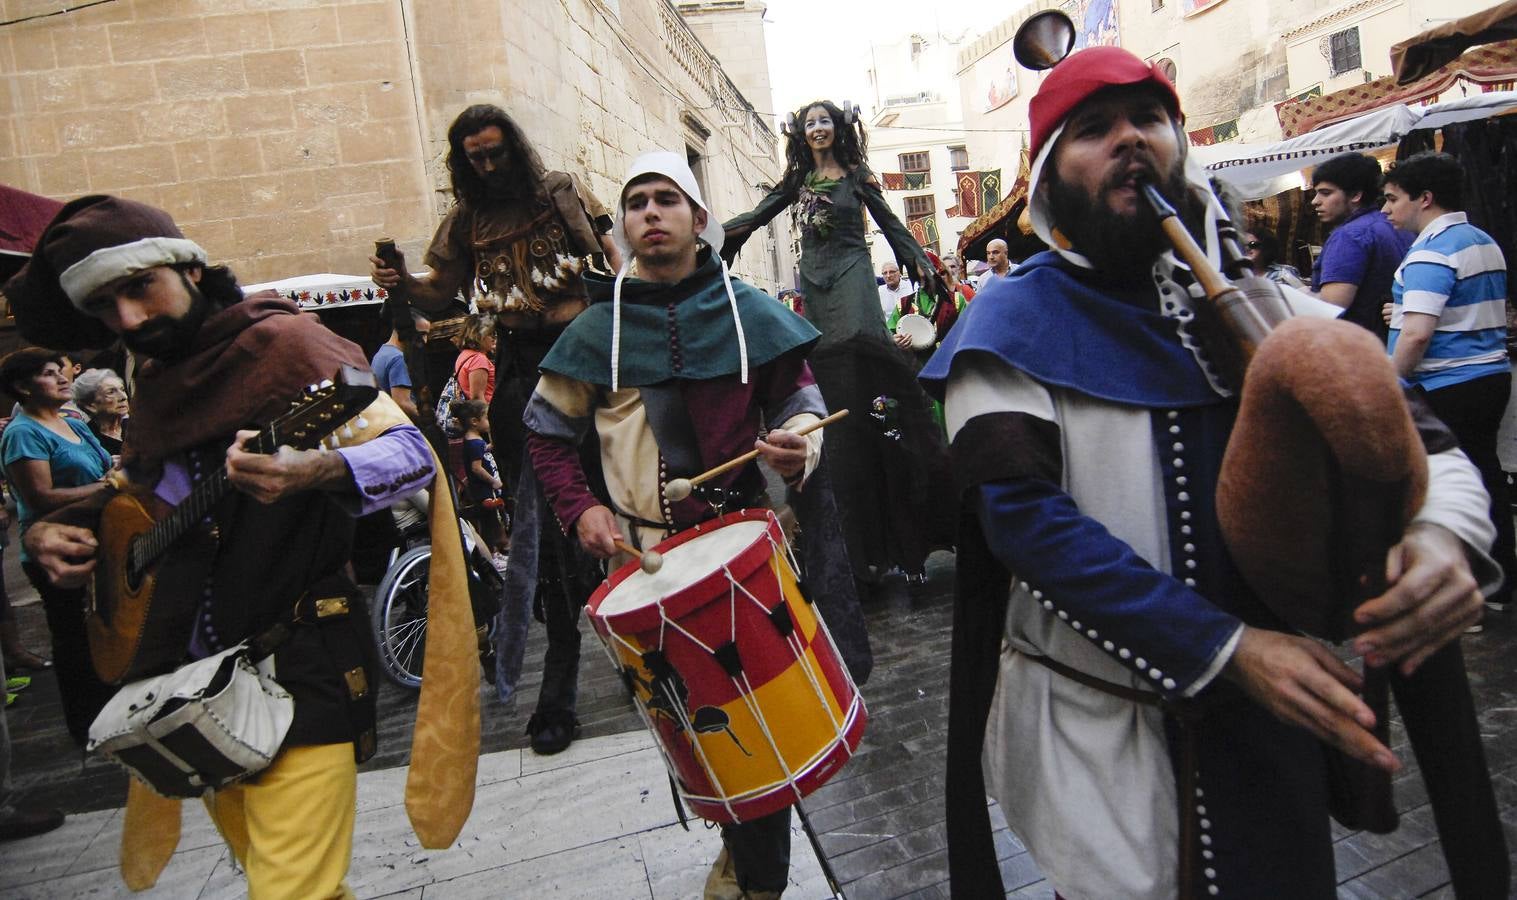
{"x": 793, "y": 641}
{"x": 745, "y": 691}
{"x": 858, "y": 697}
{"x": 745, "y": 687}
{"x": 678, "y": 708}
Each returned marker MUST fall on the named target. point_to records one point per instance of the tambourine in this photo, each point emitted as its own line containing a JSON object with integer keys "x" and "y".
{"x": 919, "y": 328}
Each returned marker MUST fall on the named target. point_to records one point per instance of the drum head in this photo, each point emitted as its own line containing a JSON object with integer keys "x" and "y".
{"x": 918, "y": 328}
{"x": 684, "y": 565}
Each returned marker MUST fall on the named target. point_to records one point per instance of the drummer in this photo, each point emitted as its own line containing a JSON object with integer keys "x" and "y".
{"x": 678, "y": 368}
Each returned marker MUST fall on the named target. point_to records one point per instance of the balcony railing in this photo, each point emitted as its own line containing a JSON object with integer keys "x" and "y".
{"x": 708, "y": 75}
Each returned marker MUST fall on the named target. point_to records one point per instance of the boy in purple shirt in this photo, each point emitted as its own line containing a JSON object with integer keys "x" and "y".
{"x": 1359, "y": 259}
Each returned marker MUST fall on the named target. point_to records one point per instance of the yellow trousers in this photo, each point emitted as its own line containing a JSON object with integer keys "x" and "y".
{"x": 292, "y": 829}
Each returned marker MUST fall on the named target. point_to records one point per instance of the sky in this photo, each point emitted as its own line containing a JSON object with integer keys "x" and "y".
{"x": 820, "y": 48}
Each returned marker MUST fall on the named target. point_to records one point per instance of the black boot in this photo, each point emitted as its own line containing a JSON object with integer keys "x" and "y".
{"x": 552, "y": 730}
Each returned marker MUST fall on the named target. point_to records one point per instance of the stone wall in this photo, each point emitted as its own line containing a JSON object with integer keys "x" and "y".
{"x": 285, "y": 135}
{"x": 281, "y": 136}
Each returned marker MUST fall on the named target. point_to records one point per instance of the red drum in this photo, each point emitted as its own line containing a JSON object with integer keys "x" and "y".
{"x": 732, "y": 668}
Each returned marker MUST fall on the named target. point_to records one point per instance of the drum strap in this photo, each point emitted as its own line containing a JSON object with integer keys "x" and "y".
{"x": 665, "y": 527}
{"x": 734, "y": 500}
{"x": 1186, "y": 715}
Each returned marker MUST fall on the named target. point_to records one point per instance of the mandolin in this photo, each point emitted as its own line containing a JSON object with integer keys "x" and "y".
{"x": 154, "y": 565}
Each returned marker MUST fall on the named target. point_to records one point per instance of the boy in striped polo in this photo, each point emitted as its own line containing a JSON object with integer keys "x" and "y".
{"x": 1448, "y": 324}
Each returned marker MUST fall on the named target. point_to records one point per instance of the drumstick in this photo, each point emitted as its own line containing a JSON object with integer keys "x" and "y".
{"x": 650, "y": 560}
{"x": 680, "y": 488}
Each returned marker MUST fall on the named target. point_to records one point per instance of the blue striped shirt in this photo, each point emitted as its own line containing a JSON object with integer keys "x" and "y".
{"x": 1456, "y": 272}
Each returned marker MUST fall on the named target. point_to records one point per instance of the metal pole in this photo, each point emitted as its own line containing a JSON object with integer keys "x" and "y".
{"x": 816, "y": 847}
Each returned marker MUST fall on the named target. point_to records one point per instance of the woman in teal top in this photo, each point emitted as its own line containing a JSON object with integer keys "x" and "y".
{"x": 890, "y": 471}
{"x": 52, "y": 461}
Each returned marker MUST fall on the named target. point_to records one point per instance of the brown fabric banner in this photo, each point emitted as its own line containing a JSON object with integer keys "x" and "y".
{"x": 1491, "y": 63}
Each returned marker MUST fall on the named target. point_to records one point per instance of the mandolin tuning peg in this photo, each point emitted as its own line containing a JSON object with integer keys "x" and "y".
{"x": 312, "y": 388}
{"x": 347, "y": 432}
{"x": 361, "y": 422}
{"x": 327, "y": 383}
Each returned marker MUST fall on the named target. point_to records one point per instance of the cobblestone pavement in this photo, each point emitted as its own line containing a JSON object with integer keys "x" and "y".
{"x": 881, "y": 818}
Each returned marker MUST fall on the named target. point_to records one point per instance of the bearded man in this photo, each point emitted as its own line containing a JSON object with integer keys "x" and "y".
{"x": 1106, "y": 649}
{"x": 516, "y": 241}
{"x": 219, "y": 363}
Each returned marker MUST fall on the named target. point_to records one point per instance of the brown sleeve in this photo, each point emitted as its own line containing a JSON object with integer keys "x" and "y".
{"x": 569, "y": 200}
{"x": 449, "y": 243}
{"x": 1000, "y": 445}
{"x": 451, "y": 255}
{"x": 599, "y": 216}
{"x": 81, "y": 513}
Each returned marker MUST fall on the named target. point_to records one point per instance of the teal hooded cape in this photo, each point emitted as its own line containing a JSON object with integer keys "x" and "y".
{"x": 682, "y": 330}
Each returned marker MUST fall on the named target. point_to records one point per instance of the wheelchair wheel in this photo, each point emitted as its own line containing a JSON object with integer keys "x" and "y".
{"x": 399, "y": 612}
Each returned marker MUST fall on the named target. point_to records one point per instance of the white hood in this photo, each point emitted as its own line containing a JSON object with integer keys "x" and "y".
{"x": 673, "y": 167}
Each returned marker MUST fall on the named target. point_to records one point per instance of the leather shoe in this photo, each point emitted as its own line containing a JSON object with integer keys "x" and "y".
{"x": 552, "y": 731}
{"x": 24, "y": 822}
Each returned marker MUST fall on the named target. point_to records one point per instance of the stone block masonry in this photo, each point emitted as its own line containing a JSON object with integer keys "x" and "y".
{"x": 286, "y": 135}
{"x": 257, "y": 124}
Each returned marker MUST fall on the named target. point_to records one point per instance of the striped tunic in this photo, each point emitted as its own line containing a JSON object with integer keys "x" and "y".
{"x": 1456, "y": 272}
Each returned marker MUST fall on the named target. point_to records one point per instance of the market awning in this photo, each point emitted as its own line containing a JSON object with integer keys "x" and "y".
{"x": 1422, "y": 54}
{"x": 325, "y": 291}
{"x": 1255, "y": 170}
{"x": 1492, "y": 64}
{"x": 1250, "y": 167}
{"x": 23, "y": 217}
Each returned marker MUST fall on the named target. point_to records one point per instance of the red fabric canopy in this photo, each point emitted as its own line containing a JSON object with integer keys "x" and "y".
{"x": 23, "y": 217}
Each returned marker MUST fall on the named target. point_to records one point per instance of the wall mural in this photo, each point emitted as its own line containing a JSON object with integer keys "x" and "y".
{"x": 1097, "y": 23}
{"x": 997, "y": 72}
{"x": 1191, "y": 7}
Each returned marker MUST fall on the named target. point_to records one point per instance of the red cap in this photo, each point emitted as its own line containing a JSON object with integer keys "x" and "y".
{"x": 1082, "y": 74}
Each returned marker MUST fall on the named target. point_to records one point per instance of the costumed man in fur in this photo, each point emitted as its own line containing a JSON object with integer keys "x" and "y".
{"x": 675, "y": 368}
{"x": 515, "y": 241}
{"x": 1096, "y": 602}
{"x": 276, "y": 545}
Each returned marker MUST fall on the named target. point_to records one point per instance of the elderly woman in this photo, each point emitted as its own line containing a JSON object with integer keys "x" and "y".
{"x": 51, "y": 461}
{"x": 102, "y": 395}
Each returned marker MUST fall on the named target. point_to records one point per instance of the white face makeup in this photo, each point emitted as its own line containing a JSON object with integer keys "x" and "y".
{"x": 819, "y": 128}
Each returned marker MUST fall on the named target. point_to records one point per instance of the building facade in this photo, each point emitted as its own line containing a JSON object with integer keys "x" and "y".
{"x": 1234, "y": 62}
{"x": 916, "y": 141}
{"x": 286, "y": 135}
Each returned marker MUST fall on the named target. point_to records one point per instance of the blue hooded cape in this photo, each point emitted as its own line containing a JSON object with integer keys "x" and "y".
{"x": 1074, "y": 328}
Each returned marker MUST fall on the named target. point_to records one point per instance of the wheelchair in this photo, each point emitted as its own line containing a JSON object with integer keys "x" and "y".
{"x": 399, "y": 608}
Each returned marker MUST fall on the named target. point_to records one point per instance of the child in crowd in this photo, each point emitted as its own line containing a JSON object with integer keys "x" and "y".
{"x": 483, "y": 488}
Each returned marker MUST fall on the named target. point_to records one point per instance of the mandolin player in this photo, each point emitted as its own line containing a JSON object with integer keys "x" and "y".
{"x": 218, "y": 365}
